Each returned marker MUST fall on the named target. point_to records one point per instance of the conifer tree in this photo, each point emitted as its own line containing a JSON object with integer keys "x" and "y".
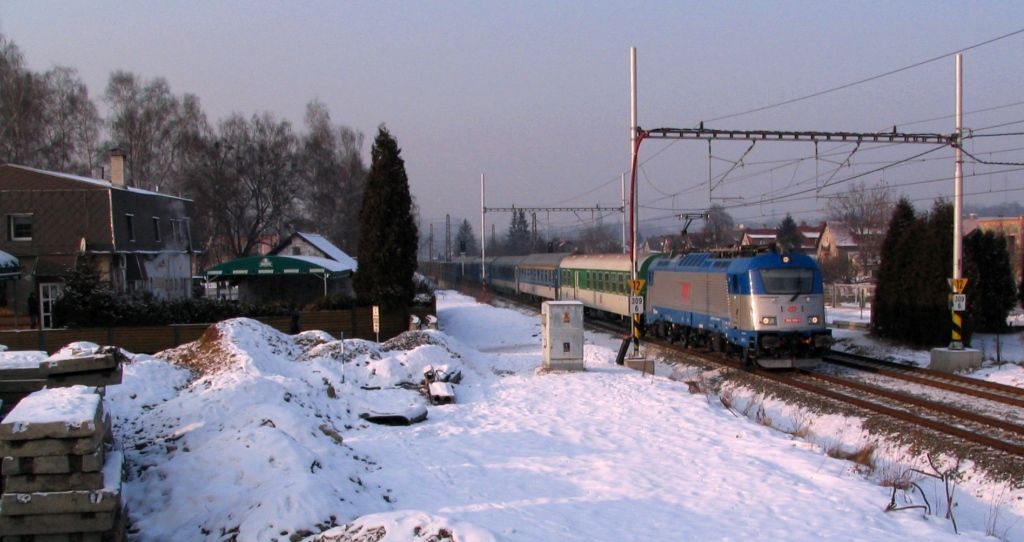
{"x": 990, "y": 289}
{"x": 518, "y": 234}
{"x": 465, "y": 241}
{"x": 788, "y": 235}
{"x": 388, "y": 238}
{"x": 934, "y": 267}
{"x": 884, "y": 317}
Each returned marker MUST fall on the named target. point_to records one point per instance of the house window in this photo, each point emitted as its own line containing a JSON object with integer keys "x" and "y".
{"x": 156, "y": 228}
{"x": 129, "y": 224}
{"x": 296, "y": 251}
{"x": 19, "y": 227}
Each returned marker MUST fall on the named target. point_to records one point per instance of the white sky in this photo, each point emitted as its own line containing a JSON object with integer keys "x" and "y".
{"x": 536, "y": 96}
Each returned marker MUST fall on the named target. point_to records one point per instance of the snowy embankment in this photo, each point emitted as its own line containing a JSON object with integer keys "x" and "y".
{"x": 251, "y": 434}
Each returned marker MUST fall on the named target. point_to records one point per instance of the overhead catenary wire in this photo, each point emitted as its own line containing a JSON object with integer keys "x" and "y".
{"x": 866, "y": 79}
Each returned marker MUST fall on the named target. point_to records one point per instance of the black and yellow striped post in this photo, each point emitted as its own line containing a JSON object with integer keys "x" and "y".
{"x": 957, "y": 305}
{"x": 636, "y": 309}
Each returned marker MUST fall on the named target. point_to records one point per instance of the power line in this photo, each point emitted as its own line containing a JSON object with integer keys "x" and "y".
{"x": 988, "y": 163}
{"x": 865, "y": 80}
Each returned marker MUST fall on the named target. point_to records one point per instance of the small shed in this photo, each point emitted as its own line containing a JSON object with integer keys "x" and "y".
{"x": 295, "y": 279}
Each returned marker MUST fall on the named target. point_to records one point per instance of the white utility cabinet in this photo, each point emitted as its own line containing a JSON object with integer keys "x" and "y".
{"x": 561, "y": 325}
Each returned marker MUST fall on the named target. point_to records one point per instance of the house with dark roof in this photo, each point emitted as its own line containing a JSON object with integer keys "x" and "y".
{"x": 137, "y": 240}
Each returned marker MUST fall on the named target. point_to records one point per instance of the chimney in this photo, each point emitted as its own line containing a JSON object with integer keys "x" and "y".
{"x": 117, "y": 168}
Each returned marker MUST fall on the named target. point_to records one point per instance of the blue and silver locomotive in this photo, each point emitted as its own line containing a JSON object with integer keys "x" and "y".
{"x": 768, "y": 308}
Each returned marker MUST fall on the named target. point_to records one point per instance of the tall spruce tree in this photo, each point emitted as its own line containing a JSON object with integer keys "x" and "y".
{"x": 465, "y": 241}
{"x": 934, "y": 266}
{"x": 891, "y": 281}
{"x": 788, "y": 235}
{"x": 518, "y": 234}
{"x": 388, "y": 237}
{"x": 990, "y": 290}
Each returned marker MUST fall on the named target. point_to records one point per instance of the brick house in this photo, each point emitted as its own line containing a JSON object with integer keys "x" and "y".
{"x": 138, "y": 240}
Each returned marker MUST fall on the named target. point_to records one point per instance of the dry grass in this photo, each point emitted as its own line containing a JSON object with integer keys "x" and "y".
{"x": 763, "y": 418}
{"x": 801, "y": 424}
{"x": 727, "y": 399}
{"x": 865, "y": 455}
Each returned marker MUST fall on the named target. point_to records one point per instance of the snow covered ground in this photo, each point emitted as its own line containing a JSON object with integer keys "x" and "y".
{"x": 250, "y": 434}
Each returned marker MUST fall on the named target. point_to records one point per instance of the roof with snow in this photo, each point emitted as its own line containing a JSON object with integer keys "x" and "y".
{"x": 328, "y": 248}
{"x": 27, "y": 177}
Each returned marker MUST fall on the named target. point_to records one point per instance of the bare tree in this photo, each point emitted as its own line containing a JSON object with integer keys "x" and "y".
{"x": 22, "y": 108}
{"x": 718, "y": 227}
{"x": 72, "y": 126}
{"x": 600, "y": 239}
{"x": 866, "y": 211}
{"x": 147, "y": 123}
{"x": 245, "y": 183}
{"x": 334, "y": 178}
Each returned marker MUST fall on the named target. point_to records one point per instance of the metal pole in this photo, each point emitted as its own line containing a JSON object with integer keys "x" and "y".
{"x": 634, "y": 207}
{"x": 623, "y": 181}
{"x": 958, "y": 202}
{"x": 958, "y": 180}
{"x": 633, "y": 151}
{"x": 483, "y": 234}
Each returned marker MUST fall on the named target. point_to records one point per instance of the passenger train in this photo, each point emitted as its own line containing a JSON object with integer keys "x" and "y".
{"x": 767, "y": 307}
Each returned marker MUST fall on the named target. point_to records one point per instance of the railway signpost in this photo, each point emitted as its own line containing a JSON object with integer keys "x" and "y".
{"x": 636, "y": 304}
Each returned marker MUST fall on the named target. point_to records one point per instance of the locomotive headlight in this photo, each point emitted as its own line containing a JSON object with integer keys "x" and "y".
{"x": 813, "y": 320}
{"x": 768, "y": 320}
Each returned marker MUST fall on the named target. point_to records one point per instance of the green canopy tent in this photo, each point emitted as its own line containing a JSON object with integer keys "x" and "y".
{"x": 263, "y": 266}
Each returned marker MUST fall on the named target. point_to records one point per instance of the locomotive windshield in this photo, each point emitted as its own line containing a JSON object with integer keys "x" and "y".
{"x": 787, "y": 281}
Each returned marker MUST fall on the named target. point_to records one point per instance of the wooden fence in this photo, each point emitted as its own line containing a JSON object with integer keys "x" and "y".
{"x": 346, "y": 323}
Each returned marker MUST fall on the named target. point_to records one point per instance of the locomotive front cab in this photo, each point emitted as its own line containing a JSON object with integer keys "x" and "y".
{"x": 788, "y": 308}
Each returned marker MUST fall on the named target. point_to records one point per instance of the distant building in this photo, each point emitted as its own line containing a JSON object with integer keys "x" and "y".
{"x": 138, "y": 240}
{"x": 1012, "y": 228}
{"x": 756, "y": 237}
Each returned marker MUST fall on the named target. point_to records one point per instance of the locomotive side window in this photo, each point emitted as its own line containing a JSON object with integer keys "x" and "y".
{"x": 787, "y": 281}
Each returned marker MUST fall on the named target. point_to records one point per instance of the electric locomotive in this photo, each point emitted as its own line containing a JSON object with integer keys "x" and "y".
{"x": 768, "y": 308}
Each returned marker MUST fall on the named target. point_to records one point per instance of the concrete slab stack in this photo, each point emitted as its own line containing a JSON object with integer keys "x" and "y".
{"x": 99, "y": 368}
{"x": 61, "y": 478}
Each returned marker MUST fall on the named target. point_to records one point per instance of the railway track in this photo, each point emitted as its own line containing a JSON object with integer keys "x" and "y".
{"x": 985, "y": 414}
{"x": 981, "y": 389}
{"x": 976, "y": 412}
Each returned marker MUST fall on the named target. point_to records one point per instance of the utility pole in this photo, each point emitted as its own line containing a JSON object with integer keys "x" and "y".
{"x": 447, "y": 237}
{"x": 959, "y": 300}
{"x": 636, "y": 284}
{"x": 625, "y": 249}
{"x": 483, "y": 235}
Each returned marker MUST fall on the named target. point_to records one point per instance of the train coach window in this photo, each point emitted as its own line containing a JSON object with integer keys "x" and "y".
{"x": 787, "y": 281}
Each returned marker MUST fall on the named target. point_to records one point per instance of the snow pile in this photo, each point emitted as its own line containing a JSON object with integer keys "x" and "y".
{"x": 404, "y": 526}
{"x": 255, "y": 435}
{"x": 246, "y": 438}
